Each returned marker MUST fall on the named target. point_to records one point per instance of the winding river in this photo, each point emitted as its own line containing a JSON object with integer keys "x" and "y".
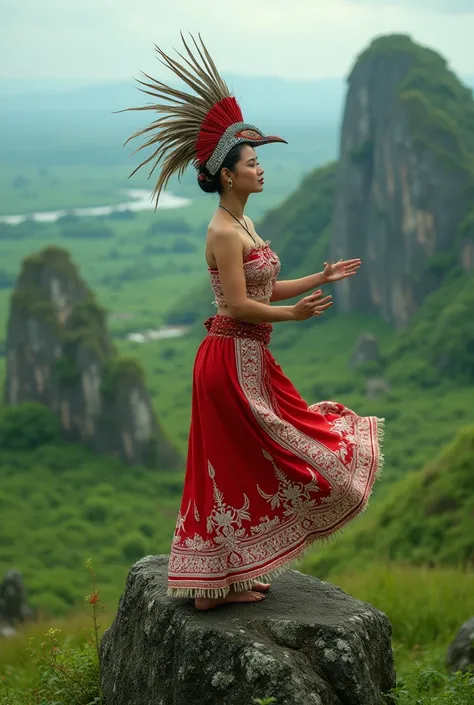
{"x": 138, "y": 200}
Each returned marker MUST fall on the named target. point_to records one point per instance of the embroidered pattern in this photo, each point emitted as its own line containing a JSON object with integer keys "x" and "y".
{"x": 225, "y": 523}
{"x": 222, "y": 519}
{"x": 261, "y": 269}
{"x": 294, "y": 496}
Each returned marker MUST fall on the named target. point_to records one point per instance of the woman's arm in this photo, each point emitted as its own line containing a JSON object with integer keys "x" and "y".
{"x": 289, "y": 288}
{"x": 331, "y": 273}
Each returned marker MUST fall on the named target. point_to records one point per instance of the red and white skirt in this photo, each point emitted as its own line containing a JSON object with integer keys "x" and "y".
{"x": 266, "y": 474}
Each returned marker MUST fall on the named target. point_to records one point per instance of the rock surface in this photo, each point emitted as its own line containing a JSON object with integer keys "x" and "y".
{"x": 460, "y": 655}
{"x": 307, "y": 642}
{"x": 366, "y": 349}
{"x": 14, "y": 607}
{"x": 59, "y": 353}
{"x": 376, "y": 387}
{"x": 402, "y": 194}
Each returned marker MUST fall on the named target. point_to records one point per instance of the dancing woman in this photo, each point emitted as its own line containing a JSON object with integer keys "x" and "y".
{"x": 266, "y": 474}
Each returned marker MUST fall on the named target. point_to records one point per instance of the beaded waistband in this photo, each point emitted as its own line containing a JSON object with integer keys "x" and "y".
{"x": 229, "y": 327}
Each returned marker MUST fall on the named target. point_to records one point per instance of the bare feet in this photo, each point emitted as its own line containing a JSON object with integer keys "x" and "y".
{"x": 261, "y": 587}
{"x": 205, "y": 603}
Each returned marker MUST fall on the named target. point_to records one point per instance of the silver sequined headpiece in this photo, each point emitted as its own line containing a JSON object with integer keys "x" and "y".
{"x": 236, "y": 134}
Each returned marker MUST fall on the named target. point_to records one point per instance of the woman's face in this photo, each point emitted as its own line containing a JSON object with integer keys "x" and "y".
{"x": 247, "y": 176}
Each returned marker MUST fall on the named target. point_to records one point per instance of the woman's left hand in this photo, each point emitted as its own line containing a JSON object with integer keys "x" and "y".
{"x": 340, "y": 270}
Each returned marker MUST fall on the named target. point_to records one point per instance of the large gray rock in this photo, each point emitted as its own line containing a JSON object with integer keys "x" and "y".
{"x": 376, "y": 387}
{"x": 366, "y": 349}
{"x": 60, "y": 354}
{"x": 461, "y": 652}
{"x": 307, "y": 642}
{"x": 14, "y": 607}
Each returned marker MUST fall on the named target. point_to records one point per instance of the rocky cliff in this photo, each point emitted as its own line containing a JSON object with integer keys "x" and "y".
{"x": 60, "y": 354}
{"x": 405, "y": 179}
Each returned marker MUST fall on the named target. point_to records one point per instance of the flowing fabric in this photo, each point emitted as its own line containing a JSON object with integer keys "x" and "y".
{"x": 266, "y": 475}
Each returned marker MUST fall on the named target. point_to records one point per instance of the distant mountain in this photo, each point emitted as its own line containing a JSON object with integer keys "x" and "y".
{"x": 291, "y": 101}
{"x": 295, "y": 102}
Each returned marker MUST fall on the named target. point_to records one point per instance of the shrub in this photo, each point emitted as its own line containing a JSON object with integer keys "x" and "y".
{"x": 427, "y": 686}
{"x": 86, "y": 230}
{"x": 27, "y": 426}
{"x": 133, "y": 546}
{"x": 97, "y": 509}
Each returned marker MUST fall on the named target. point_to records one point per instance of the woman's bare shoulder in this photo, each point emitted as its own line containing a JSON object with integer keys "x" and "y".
{"x": 220, "y": 232}
{"x": 221, "y": 241}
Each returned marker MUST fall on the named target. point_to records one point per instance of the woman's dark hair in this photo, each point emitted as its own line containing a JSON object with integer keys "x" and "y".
{"x": 212, "y": 184}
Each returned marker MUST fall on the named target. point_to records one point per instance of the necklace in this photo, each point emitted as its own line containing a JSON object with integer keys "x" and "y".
{"x": 242, "y": 224}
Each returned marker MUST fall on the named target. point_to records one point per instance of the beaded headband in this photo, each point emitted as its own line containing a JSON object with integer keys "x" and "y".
{"x": 199, "y": 128}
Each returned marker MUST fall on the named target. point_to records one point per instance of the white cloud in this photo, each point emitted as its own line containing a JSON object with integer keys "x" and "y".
{"x": 113, "y": 39}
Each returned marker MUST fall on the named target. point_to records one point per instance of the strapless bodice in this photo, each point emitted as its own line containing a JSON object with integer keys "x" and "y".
{"x": 261, "y": 269}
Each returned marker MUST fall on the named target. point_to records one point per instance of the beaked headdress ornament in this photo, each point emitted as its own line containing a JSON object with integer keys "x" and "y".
{"x": 200, "y": 129}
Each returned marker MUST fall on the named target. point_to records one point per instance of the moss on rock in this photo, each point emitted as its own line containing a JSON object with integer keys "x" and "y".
{"x": 440, "y": 108}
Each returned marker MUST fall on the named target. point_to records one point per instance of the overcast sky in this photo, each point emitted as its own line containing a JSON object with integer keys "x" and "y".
{"x": 108, "y": 40}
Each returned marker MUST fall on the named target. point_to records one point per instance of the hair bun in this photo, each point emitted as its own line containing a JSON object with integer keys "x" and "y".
{"x": 207, "y": 182}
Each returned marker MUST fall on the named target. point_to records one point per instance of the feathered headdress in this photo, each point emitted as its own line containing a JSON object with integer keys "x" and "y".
{"x": 199, "y": 129}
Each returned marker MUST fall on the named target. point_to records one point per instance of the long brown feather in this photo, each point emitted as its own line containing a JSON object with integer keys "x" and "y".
{"x": 175, "y": 133}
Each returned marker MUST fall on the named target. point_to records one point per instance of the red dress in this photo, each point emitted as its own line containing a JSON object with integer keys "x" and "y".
{"x": 266, "y": 474}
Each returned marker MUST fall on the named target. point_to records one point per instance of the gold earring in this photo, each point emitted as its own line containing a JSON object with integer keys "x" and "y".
{"x": 230, "y": 183}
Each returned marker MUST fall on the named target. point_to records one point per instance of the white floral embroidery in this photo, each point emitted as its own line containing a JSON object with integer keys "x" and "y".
{"x": 196, "y": 513}
{"x": 181, "y": 519}
{"x": 224, "y": 519}
{"x": 294, "y": 496}
{"x": 197, "y": 543}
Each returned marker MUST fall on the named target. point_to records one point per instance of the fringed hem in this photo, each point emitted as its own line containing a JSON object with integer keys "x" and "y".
{"x": 292, "y": 561}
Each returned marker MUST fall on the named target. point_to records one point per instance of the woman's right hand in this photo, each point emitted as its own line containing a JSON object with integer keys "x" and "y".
{"x": 312, "y": 305}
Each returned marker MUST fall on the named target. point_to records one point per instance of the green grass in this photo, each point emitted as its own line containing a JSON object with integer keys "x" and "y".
{"x": 80, "y": 505}
{"x": 426, "y": 607}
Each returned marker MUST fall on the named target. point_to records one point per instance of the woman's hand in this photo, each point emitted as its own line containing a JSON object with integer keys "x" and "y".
{"x": 340, "y": 270}
{"x": 312, "y": 305}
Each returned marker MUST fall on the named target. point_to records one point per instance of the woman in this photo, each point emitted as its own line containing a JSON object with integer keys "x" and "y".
{"x": 266, "y": 474}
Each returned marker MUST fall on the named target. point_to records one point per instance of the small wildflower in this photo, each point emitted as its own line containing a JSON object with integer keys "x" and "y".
{"x": 94, "y": 598}
{"x": 52, "y": 632}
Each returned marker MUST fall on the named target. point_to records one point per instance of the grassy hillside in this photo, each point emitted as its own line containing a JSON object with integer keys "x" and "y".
{"x": 426, "y": 518}
{"x": 439, "y": 342}
{"x": 60, "y": 505}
